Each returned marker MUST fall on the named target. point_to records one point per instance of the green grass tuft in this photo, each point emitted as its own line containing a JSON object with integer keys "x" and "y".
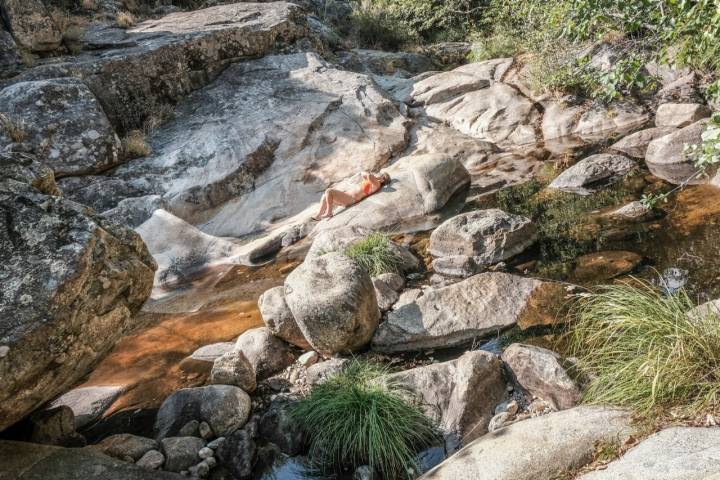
{"x": 354, "y": 419}
{"x": 374, "y": 253}
{"x": 643, "y": 350}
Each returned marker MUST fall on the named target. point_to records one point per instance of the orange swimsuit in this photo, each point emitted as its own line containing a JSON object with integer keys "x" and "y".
{"x": 368, "y": 188}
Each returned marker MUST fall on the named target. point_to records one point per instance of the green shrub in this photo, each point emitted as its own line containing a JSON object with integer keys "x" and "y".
{"x": 497, "y": 45}
{"x": 374, "y": 253}
{"x": 642, "y": 349}
{"x": 355, "y": 419}
{"x": 372, "y": 26}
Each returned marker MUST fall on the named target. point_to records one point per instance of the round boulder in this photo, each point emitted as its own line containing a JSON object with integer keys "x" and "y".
{"x": 489, "y": 236}
{"x": 266, "y": 353}
{"x": 233, "y": 368}
{"x": 333, "y": 301}
{"x": 279, "y": 319}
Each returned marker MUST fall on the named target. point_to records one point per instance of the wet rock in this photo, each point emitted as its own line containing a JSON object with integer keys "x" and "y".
{"x": 420, "y": 185}
{"x": 602, "y": 123}
{"x": 123, "y": 445}
{"x": 63, "y": 123}
{"x": 279, "y": 319}
{"x": 472, "y": 308}
{"x": 633, "y": 211}
{"x": 680, "y": 115}
{"x": 233, "y": 368}
{"x": 333, "y": 301}
{"x": 181, "y": 453}
{"x": 575, "y": 434}
{"x": 31, "y": 25}
{"x": 89, "y": 403}
{"x": 73, "y": 282}
{"x": 30, "y": 461}
{"x": 151, "y": 460}
{"x": 238, "y": 453}
{"x": 665, "y": 156}
{"x": 320, "y": 372}
{"x": 55, "y": 426}
{"x": 676, "y": 453}
{"x": 266, "y": 353}
{"x": 605, "y": 265}
{"x": 635, "y": 145}
{"x": 223, "y": 407}
{"x": 387, "y": 289}
{"x": 540, "y": 373}
{"x": 461, "y": 266}
{"x": 210, "y": 353}
{"x": 488, "y": 236}
{"x": 558, "y": 125}
{"x": 595, "y": 169}
{"x": 338, "y": 239}
{"x": 460, "y": 395}
{"x": 276, "y": 426}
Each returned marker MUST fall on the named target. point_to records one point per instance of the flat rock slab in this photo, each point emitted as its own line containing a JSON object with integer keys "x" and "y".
{"x": 480, "y": 305}
{"x": 635, "y": 145}
{"x": 89, "y": 403}
{"x": 593, "y": 170}
{"x": 29, "y": 461}
{"x": 678, "y": 453}
{"x": 666, "y": 158}
{"x": 605, "y": 265}
{"x": 538, "y": 448}
{"x": 680, "y": 114}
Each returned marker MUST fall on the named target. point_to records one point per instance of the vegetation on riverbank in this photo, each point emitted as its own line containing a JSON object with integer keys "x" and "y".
{"x": 644, "y": 349}
{"x": 374, "y": 253}
{"x": 353, "y": 419}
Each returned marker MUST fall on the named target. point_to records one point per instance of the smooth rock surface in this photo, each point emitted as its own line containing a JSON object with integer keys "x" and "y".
{"x": 72, "y": 284}
{"x": 210, "y": 353}
{"x": 321, "y": 371}
{"x": 233, "y": 368}
{"x": 680, "y": 115}
{"x": 181, "y": 453}
{"x": 635, "y": 145}
{"x": 387, "y": 289}
{"x": 29, "y": 461}
{"x": 540, "y": 372}
{"x": 602, "y": 123}
{"x": 605, "y": 265}
{"x": 676, "y": 453}
{"x": 223, "y": 407}
{"x": 279, "y": 319}
{"x": 602, "y": 167}
{"x": 333, "y": 301}
{"x": 152, "y": 460}
{"x": 550, "y": 444}
{"x": 473, "y": 308}
{"x": 489, "y": 236}
{"x": 64, "y": 125}
{"x": 122, "y": 445}
{"x": 266, "y": 353}
{"x": 666, "y": 159}
{"x": 88, "y": 403}
{"x": 460, "y": 395}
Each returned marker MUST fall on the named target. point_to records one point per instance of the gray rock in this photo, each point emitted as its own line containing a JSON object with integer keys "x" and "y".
{"x": 215, "y": 444}
{"x": 279, "y": 319}
{"x": 55, "y": 426}
{"x": 181, "y": 453}
{"x": 73, "y": 282}
{"x": 666, "y": 159}
{"x": 206, "y": 452}
{"x": 30, "y": 461}
{"x": 308, "y": 359}
{"x": 333, "y": 302}
{"x": 320, "y": 372}
{"x": 387, "y": 289}
{"x": 31, "y": 25}
{"x": 238, "y": 453}
{"x": 539, "y": 371}
{"x": 460, "y": 395}
{"x": 461, "y": 266}
{"x": 266, "y": 353}
{"x": 489, "y": 236}
{"x": 224, "y": 408}
{"x": 472, "y": 308}
{"x": 680, "y": 115}
{"x": 363, "y": 472}
{"x": 499, "y": 421}
{"x": 89, "y": 403}
{"x": 210, "y": 353}
{"x": 676, "y": 453}
{"x": 601, "y": 123}
{"x": 152, "y": 460}
{"x": 276, "y": 426}
{"x": 408, "y": 296}
{"x": 190, "y": 429}
{"x": 10, "y": 60}
{"x": 123, "y": 445}
{"x": 205, "y": 431}
{"x": 64, "y": 125}
{"x": 634, "y": 211}
{"x": 233, "y": 368}
{"x": 635, "y": 145}
{"x": 595, "y": 169}
{"x": 550, "y": 444}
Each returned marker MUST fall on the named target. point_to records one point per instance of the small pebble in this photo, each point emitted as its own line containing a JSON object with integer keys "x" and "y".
{"x": 205, "y": 452}
{"x": 205, "y": 431}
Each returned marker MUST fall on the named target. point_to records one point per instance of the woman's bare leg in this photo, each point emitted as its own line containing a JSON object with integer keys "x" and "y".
{"x": 323, "y": 207}
{"x": 337, "y": 197}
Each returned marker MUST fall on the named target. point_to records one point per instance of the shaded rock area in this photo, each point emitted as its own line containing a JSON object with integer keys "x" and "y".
{"x": 72, "y": 284}
{"x": 592, "y": 171}
{"x": 279, "y": 319}
{"x": 574, "y": 434}
{"x": 473, "y": 308}
{"x": 606, "y": 265}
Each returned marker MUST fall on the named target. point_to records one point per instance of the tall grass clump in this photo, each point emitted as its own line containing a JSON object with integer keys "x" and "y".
{"x": 357, "y": 419}
{"x": 643, "y": 349}
{"x": 375, "y": 254}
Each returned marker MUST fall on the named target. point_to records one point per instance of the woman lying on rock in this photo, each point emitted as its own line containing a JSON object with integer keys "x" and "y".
{"x": 371, "y": 183}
